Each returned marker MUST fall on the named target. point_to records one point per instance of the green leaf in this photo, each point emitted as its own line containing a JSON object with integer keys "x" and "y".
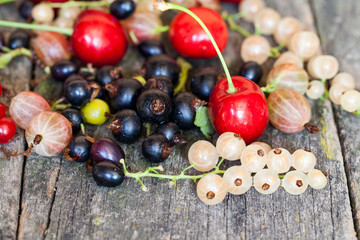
{"x": 203, "y": 122}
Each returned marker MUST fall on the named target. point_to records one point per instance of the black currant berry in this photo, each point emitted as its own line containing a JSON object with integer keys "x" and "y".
{"x": 252, "y": 71}
{"x": 25, "y": 9}
{"x": 161, "y": 82}
{"x": 149, "y": 48}
{"x": 106, "y": 149}
{"x": 108, "y": 74}
{"x": 126, "y": 126}
{"x": 107, "y": 174}
{"x": 156, "y": 148}
{"x": 203, "y": 82}
{"x": 77, "y": 91}
{"x": 63, "y": 69}
{"x": 154, "y": 106}
{"x": 18, "y": 39}
{"x": 172, "y": 132}
{"x": 124, "y": 93}
{"x": 78, "y": 149}
{"x": 122, "y": 9}
{"x": 162, "y": 65}
{"x": 184, "y": 110}
{"x": 74, "y": 116}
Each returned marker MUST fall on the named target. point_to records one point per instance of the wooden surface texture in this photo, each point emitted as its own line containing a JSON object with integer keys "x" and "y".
{"x": 51, "y": 198}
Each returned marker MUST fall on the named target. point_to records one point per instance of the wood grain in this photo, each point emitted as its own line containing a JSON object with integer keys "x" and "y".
{"x": 60, "y": 199}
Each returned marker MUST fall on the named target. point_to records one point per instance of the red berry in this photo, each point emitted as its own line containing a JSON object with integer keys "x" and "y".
{"x": 0, "y": 89}
{"x": 98, "y": 38}
{"x": 244, "y": 112}
{"x": 7, "y": 129}
{"x": 190, "y": 40}
{"x": 2, "y": 110}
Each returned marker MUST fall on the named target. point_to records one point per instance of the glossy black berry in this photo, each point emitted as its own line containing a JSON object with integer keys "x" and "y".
{"x": 107, "y": 174}
{"x": 122, "y": 9}
{"x": 107, "y": 74}
{"x": 78, "y": 149}
{"x": 252, "y": 71}
{"x": 203, "y": 82}
{"x": 74, "y": 116}
{"x": 172, "y": 132}
{"x": 124, "y": 93}
{"x": 126, "y": 126}
{"x": 154, "y": 106}
{"x": 162, "y": 65}
{"x": 106, "y": 149}
{"x": 77, "y": 92}
{"x": 25, "y": 9}
{"x": 149, "y": 48}
{"x": 184, "y": 110}
{"x": 156, "y": 148}
{"x": 63, "y": 69}
{"x": 161, "y": 82}
{"x": 18, "y": 39}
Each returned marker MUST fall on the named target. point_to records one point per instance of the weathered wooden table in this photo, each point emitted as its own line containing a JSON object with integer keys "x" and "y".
{"x": 46, "y": 198}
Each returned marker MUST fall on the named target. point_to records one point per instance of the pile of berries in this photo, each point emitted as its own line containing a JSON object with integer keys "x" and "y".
{"x": 7, "y": 125}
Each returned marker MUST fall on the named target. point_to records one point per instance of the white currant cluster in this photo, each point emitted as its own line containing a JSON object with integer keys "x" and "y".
{"x": 303, "y": 47}
{"x": 262, "y": 167}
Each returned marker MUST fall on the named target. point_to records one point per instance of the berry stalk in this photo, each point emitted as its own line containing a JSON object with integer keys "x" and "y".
{"x": 66, "y": 31}
{"x": 79, "y": 4}
{"x": 163, "y": 6}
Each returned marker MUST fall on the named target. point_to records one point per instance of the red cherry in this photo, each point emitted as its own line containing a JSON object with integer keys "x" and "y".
{"x": 7, "y": 129}
{"x": 99, "y": 39}
{"x": 190, "y": 40}
{"x": 0, "y": 89}
{"x": 244, "y": 112}
{"x": 2, "y": 109}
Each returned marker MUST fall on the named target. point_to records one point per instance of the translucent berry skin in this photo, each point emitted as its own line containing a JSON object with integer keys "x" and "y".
{"x": 344, "y": 79}
{"x": 32, "y": 102}
{"x": 190, "y": 40}
{"x": 237, "y": 180}
{"x": 211, "y": 190}
{"x": 7, "y": 129}
{"x": 266, "y": 181}
{"x": 323, "y": 66}
{"x": 279, "y": 160}
{"x": 244, "y": 112}
{"x": 105, "y": 149}
{"x": 266, "y": 20}
{"x": 350, "y": 101}
{"x": 305, "y": 44}
{"x": 250, "y": 8}
{"x": 254, "y": 158}
{"x": 203, "y": 155}
{"x": 315, "y": 90}
{"x": 285, "y": 118}
{"x": 336, "y": 91}
{"x": 107, "y": 174}
{"x": 295, "y": 182}
{"x": 255, "y": 48}
{"x": 285, "y": 29}
{"x": 316, "y": 179}
{"x": 230, "y": 146}
{"x": 265, "y": 146}
{"x": 55, "y": 131}
{"x": 303, "y": 160}
{"x": 98, "y": 38}
{"x": 289, "y": 57}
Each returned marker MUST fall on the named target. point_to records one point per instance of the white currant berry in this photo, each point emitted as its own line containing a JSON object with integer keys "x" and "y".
{"x": 285, "y": 29}
{"x": 230, "y": 146}
{"x": 211, "y": 189}
{"x": 316, "y": 179}
{"x": 237, "y": 180}
{"x": 254, "y": 158}
{"x": 303, "y": 160}
{"x": 295, "y": 182}
{"x": 279, "y": 160}
{"x": 344, "y": 79}
{"x": 289, "y": 58}
{"x": 265, "y": 146}
{"x": 70, "y": 12}
{"x": 266, "y": 181}
{"x": 350, "y": 101}
{"x": 266, "y": 20}
{"x": 336, "y": 91}
{"x": 305, "y": 44}
{"x": 315, "y": 89}
{"x": 42, "y": 13}
{"x": 203, "y": 155}
{"x": 250, "y": 8}
{"x": 323, "y": 66}
{"x": 255, "y": 48}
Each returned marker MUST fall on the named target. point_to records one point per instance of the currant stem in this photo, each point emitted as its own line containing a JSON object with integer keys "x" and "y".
{"x": 6, "y": 1}
{"x": 220, "y": 162}
{"x": 7, "y": 57}
{"x": 79, "y": 4}
{"x": 161, "y": 29}
{"x": 185, "y": 67}
{"x": 140, "y": 79}
{"x": 165, "y": 6}
{"x": 66, "y": 31}
{"x": 326, "y": 92}
{"x": 235, "y": 27}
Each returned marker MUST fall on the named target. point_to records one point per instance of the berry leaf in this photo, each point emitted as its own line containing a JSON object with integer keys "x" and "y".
{"x": 203, "y": 122}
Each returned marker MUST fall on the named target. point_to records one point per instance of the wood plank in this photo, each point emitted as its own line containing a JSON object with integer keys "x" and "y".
{"x": 339, "y": 33}
{"x": 60, "y": 199}
{"x": 15, "y": 77}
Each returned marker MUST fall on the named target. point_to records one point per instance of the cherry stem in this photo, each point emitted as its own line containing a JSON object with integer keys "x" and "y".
{"x": 79, "y": 4}
{"x": 233, "y": 25}
{"x": 161, "y": 5}
{"x": 185, "y": 67}
{"x": 66, "y": 31}
{"x": 161, "y": 29}
{"x": 149, "y": 172}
